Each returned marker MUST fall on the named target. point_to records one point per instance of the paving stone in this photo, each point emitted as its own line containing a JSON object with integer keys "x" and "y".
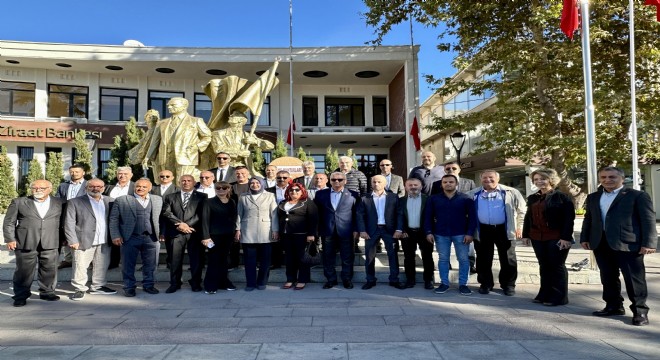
{"x": 283, "y": 335}
{"x": 522, "y": 331}
{"x": 84, "y": 323}
{"x": 414, "y": 319}
{"x": 574, "y": 350}
{"x": 204, "y": 336}
{"x": 394, "y": 350}
{"x": 459, "y": 350}
{"x": 350, "y": 334}
{"x": 264, "y": 311}
{"x": 249, "y": 322}
{"x": 41, "y": 352}
{"x": 376, "y": 310}
{"x": 149, "y": 323}
{"x": 127, "y": 336}
{"x": 41, "y": 337}
{"x": 352, "y": 320}
{"x": 320, "y": 311}
{"x": 303, "y": 351}
{"x": 112, "y": 352}
{"x": 208, "y": 313}
{"x": 641, "y": 349}
{"x": 158, "y": 314}
{"x": 214, "y": 352}
{"x": 210, "y": 322}
{"x": 442, "y": 332}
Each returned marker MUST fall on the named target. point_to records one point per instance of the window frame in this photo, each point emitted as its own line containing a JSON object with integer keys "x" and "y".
{"x": 70, "y": 101}
{"x": 337, "y": 110}
{"x": 163, "y": 111}
{"x": 11, "y": 92}
{"x": 122, "y": 99}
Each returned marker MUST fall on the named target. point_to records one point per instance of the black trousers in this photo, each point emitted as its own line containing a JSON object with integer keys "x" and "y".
{"x": 26, "y": 262}
{"x": 491, "y": 236}
{"x": 234, "y": 254}
{"x": 294, "y": 249}
{"x": 552, "y": 269}
{"x": 632, "y": 267}
{"x": 417, "y": 238}
{"x": 216, "y": 270}
{"x": 195, "y": 254}
{"x": 346, "y": 249}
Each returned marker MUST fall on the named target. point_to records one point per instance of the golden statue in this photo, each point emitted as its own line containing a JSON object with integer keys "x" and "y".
{"x": 177, "y": 141}
{"x": 138, "y": 154}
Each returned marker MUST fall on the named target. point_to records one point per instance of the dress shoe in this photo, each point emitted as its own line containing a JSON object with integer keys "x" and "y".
{"x": 637, "y": 320}
{"x": 348, "y": 284}
{"x": 19, "y": 303}
{"x": 410, "y": 285}
{"x": 428, "y": 285}
{"x": 151, "y": 290}
{"x": 49, "y": 297}
{"x": 129, "y": 292}
{"x": 64, "y": 264}
{"x": 473, "y": 270}
{"x": 608, "y": 311}
{"x": 484, "y": 289}
{"x": 329, "y": 284}
{"x": 398, "y": 285}
{"x": 172, "y": 289}
{"x": 509, "y": 291}
{"x": 368, "y": 285}
{"x": 196, "y": 288}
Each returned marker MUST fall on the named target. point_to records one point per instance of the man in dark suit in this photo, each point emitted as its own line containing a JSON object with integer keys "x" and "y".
{"x": 337, "y": 229}
{"x": 309, "y": 169}
{"x": 183, "y": 228}
{"x": 619, "y": 226}
{"x": 223, "y": 172}
{"x": 134, "y": 226}
{"x": 31, "y": 229}
{"x": 283, "y": 179}
{"x": 124, "y": 186}
{"x": 86, "y": 230}
{"x": 413, "y": 234}
{"x": 68, "y": 190}
{"x": 166, "y": 186}
{"x": 379, "y": 216}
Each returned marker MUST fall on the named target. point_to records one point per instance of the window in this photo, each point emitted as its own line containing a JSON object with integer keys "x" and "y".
{"x": 310, "y": 111}
{"x": 74, "y": 155}
{"x": 49, "y": 150}
{"x": 466, "y": 100}
{"x": 104, "y": 157}
{"x": 264, "y": 118}
{"x": 268, "y": 156}
{"x": 203, "y": 106}
{"x": 67, "y": 101}
{"x": 319, "y": 162}
{"x": 380, "y": 111}
{"x": 25, "y": 155}
{"x": 158, "y": 101}
{"x": 17, "y": 98}
{"x": 118, "y": 104}
{"x": 344, "y": 111}
{"x": 368, "y": 164}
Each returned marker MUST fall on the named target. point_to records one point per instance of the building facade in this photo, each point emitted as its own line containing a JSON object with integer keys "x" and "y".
{"x": 360, "y": 98}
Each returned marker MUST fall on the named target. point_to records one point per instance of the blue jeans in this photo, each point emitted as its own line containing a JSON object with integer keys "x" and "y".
{"x": 443, "y": 246}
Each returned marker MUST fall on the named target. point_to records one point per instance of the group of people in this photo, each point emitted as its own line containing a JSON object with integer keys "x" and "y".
{"x": 274, "y": 219}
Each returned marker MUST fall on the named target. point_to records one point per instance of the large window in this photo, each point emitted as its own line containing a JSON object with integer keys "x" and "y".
{"x": 368, "y": 164}
{"x": 25, "y": 155}
{"x": 104, "y": 157}
{"x": 16, "y": 98}
{"x": 158, "y": 101}
{"x": 310, "y": 111}
{"x": 118, "y": 104}
{"x": 380, "y": 111}
{"x": 264, "y": 118}
{"x": 319, "y": 162}
{"x": 466, "y": 101}
{"x": 344, "y": 111}
{"x": 203, "y": 106}
{"x": 67, "y": 101}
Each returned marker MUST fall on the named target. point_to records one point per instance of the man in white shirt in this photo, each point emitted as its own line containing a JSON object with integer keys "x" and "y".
{"x": 86, "y": 230}
{"x": 123, "y": 187}
{"x": 67, "y": 190}
{"x": 308, "y": 173}
{"x": 166, "y": 186}
{"x": 206, "y": 181}
{"x": 319, "y": 182}
{"x": 223, "y": 172}
{"x": 283, "y": 180}
{"x": 271, "y": 172}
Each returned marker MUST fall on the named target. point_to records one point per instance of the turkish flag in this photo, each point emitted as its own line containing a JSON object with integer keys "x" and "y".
{"x": 655, "y": 3}
{"x": 414, "y": 132}
{"x": 289, "y": 136}
{"x": 570, "y": 18}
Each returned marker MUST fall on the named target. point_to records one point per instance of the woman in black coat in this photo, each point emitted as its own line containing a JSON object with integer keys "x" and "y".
{"x": 548, "y": 226}
{"x": 298, "y": 224}
{"x": 218, "y": 230}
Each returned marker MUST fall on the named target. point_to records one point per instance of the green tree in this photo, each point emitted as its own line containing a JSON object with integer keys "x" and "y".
{"x": 84, "y": 155}
{"x": 280, "y": 149}
{"x": 119, "y": 151}
{"x": 54, "y": 169}
{"x": 535, "y": 72}
{"x": 331, "y": 160}
{"x": 7, "y": 184}
{"x": 258, "y": 161}
{"x": 35, "y": 172}
{"x": 302, "y": 155}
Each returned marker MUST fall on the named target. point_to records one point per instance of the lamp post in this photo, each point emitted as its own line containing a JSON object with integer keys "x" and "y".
{"x": 458, "y": 136}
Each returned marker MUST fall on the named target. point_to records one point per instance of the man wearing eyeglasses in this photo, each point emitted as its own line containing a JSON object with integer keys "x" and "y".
{"x": 394, "y": 182}
{"x": 308, "y": 174}
{"x": 223, "y": 172}
{"x": 283, "y": 179}
{"x": 428, "y": 172}
{"x": 271, "y": 173}
{"x": 500, "y": 213}
{"x": 124, "y": 186}
{"x": 166, "y": 186}
{"x": 337, "y": 229}
{"x": 205, "y": 184}
{"x": 31, "y": 230}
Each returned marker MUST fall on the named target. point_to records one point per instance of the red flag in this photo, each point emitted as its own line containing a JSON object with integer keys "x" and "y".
{"x": 414, "y": 132}
{"x": 289, "y": 136}
{"x": 655, "y": 3}
{"x": 569, "y": 18}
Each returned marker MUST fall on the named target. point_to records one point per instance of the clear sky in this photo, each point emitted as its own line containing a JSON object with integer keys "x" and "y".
{"x": 212, "y": 23}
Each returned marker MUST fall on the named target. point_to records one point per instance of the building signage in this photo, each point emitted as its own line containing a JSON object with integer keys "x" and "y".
{"x": 11, "y": 131}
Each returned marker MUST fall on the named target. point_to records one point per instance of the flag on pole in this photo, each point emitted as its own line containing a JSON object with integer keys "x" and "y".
{"x": 570, "y": 18}
{"x": 414, "y": 132}
{"x": 655, "y": 3}
{"x": 292, "y": 128}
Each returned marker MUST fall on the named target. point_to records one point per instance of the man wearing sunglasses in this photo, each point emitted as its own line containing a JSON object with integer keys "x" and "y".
{"x": 166, "y": 186}
{"x": 205, "y": 184}
{"x": 283, "y": 179}
{"x": 223, "y": 172}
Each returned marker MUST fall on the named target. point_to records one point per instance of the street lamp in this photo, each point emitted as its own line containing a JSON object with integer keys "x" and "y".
{"x": 458, "y": 136}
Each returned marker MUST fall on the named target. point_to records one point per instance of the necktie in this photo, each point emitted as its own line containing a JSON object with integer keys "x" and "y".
{"x": 186, "y": 197}
{"x": 221, "y": 177}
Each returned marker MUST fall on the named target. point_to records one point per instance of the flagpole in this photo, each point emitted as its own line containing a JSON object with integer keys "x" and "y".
{"x": 592, "y": 176}
{"x": 414, "y": 91}
{"x": 633, "y": 103}
{"x": 291, "y": 74}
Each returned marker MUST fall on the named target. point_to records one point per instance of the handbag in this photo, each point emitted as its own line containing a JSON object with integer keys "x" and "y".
{"x": 312, "y": 255}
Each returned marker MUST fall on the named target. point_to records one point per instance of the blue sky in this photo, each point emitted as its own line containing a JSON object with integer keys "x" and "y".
{"x": 212, "y": 23}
